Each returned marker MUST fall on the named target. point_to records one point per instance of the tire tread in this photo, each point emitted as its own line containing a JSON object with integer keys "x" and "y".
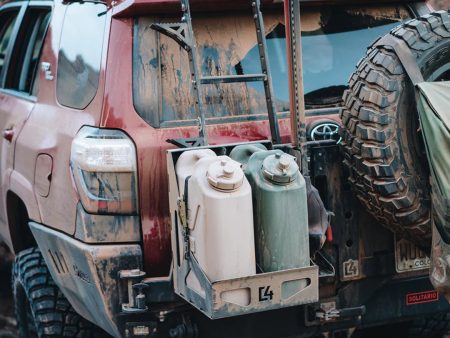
{"x": 369, "y": 139}
{"x": 53, "y": 315}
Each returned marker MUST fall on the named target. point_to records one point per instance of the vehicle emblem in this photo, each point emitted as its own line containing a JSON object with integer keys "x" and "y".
{"x": 326, "y": 131}
{"x": 46, "y": 68}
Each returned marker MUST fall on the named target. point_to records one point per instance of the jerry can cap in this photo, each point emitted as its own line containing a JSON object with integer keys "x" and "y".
{"x": 280, "y": 168}
{"x": 225, "y": 174}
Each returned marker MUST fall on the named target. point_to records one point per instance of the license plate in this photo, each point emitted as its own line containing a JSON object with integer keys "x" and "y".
{"x": 409, "y": 257}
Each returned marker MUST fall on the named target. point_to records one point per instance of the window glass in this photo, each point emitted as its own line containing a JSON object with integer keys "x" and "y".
{"x": 80, "y": 54}
{"x": 42, "y": 28}
{"x": 25, "y": 60}
{"x": 333, "y": 38}
{"x": 7, "y": 21}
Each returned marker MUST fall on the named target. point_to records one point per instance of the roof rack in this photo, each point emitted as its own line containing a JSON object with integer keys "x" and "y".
{"x": 131, "y": 8}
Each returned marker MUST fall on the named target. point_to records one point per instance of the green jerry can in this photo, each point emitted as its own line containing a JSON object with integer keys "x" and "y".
{"x": 279, "y": 207}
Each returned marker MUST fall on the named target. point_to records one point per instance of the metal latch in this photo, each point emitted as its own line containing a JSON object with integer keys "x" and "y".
{"x": 133, "y": 278}
{"x": 182, "y": 211}
{"x": 183, "y": 215}
{"x": 333, "y": 313}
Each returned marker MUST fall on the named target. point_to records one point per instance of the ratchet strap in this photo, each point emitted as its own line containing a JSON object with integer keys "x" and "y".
{"x": 404, "y": 54}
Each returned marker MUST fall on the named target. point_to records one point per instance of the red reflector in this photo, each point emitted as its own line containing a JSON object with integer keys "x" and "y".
{"x": 422, "y": 297}
{"x": 102, "y": 206}
{"x": 329, "y": 233}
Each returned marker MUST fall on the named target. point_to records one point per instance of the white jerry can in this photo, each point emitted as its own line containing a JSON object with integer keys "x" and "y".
{"x": 220, "y": 219}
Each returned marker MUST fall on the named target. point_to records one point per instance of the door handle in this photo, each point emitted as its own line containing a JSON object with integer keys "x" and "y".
{"x": 8, "y": 134}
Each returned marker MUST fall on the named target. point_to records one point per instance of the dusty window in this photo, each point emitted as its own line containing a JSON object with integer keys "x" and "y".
{"x": 80, "y": 54}
{"x": 7, "y": 19}
{"x": 161, "y": 82}
{"x": 439, "y": 4}
{"x": 27, "y": 51}
{"x": 334, "y": 39}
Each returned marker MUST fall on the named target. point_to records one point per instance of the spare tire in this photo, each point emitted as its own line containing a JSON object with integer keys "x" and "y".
{"x": 382, "y": 145}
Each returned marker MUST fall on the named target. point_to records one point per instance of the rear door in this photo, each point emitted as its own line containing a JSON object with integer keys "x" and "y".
{"x": 9, "y": 24}
{"x": 22, "y": 32}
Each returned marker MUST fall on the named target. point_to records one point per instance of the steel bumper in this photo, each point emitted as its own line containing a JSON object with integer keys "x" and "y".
{"x": 87, "y": 274}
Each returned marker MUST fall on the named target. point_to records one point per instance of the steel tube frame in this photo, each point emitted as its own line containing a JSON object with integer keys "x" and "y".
{"x": 296, "y": 89}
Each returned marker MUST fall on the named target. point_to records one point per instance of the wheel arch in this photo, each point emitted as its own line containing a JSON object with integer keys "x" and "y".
{"x": 18, "y": 218}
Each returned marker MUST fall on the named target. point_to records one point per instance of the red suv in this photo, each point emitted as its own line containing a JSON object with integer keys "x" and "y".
{"x": 89, "y": 95}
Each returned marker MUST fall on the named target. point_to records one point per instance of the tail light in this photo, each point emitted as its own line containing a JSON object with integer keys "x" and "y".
{"x": 103, "y": 164}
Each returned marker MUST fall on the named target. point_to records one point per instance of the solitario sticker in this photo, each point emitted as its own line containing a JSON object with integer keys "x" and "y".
{"x": 422, "y": 297}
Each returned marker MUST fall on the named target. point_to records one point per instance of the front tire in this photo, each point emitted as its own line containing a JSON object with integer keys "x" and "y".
{"x": 42, "y": 310}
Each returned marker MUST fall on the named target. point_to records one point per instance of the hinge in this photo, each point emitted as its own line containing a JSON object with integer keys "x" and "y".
{"x": 136, "y": 304}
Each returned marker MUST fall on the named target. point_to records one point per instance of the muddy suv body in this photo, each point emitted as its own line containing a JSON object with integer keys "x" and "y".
{"x": 90, "y": 94}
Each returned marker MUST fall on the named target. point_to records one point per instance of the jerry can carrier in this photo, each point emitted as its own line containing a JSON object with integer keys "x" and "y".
{"x": 268, "y": 291}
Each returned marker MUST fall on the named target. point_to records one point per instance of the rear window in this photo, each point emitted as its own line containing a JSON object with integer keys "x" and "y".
{"x": 333, "y": 38}
{"x": 80, "y": 54}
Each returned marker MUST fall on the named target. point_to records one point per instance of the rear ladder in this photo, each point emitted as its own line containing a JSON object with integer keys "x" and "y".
{"x": 183, "y": 34}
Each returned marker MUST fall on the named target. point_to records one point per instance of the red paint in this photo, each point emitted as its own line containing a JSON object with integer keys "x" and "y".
{"x": 422, "y": 297}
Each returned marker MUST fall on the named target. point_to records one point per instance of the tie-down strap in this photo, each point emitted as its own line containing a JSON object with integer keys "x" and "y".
{"x": 404, "y": 54}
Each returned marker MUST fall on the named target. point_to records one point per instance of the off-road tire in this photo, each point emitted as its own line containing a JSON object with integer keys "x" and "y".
{"x": 381, "y": 143}
{"x": 41, "y": 309}
{"x": 430, "y": 327}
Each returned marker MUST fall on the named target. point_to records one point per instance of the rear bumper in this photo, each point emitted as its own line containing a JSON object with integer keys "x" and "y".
{"x": 403, "y": 299}
{"x": 385, "y": 304}
{"x": 87, "y": 274}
